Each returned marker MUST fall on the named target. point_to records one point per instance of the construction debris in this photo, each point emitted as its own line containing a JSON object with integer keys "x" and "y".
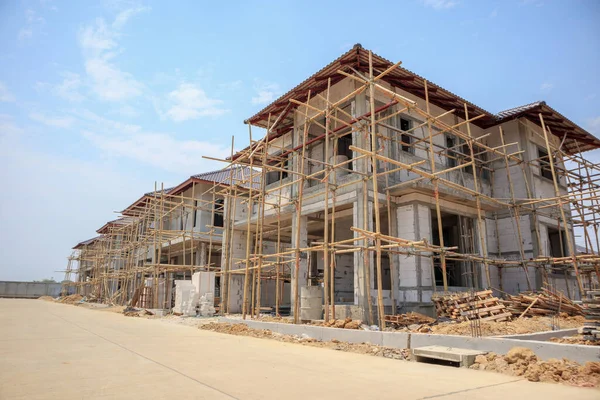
{"x": 591, "y": 309}
{"x": 71, "y": 299}
{"x": 46, "y": 298}
{"x": 360, "y": 348}
{"x": 520, "y": 361}
{"x": 546, "y": 302}
{"x": 514, "y": 327}
{"x": 411, "y": 318}
{"x": 470, "y": 306}
{"x": 136, "y": 312}
{"x": 347, "y": 323}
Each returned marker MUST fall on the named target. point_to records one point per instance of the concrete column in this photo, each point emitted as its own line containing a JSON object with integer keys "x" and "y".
{"x": 394, "y": 258}
{"x": 202, "y": 254}
{"x": 362, "y": 262}
{"x": 359, "y": 107}
{"x": 416, "y": 273}
{"x": 302, "y": 278}
{"x": 237, "y": 249}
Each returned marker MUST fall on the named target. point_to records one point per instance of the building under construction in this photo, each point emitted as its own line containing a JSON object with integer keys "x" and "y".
{"x": 374, "y": 187}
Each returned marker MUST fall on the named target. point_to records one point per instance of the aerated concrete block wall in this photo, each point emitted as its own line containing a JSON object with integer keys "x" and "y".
{"x": 29, "y": 290}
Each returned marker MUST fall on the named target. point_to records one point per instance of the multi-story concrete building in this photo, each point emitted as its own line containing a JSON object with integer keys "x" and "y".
{"x": 496, "y": 166}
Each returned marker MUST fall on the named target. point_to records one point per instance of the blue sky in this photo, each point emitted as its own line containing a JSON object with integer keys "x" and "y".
{"x": 98, "y": 100}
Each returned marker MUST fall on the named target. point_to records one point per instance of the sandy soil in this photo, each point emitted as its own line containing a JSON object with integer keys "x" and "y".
{"x": 363, "y": 348}
{"x": 575, "y": 340}
{"x": 523, "y": 362}
{"x": 518, "y": 326}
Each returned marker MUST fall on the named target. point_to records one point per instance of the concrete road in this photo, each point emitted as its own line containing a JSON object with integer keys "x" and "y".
{"x": 56, "y": 351}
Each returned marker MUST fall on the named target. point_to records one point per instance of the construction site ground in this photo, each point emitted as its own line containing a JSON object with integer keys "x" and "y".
{"x": 51, "y": 350}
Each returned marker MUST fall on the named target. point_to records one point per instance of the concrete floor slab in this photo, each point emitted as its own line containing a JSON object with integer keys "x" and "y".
{"x": 50, "y": 351}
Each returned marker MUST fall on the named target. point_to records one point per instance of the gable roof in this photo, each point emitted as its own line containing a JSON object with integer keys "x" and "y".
{"x": 86, "y": 242}
{"x": 575, "y": 138}
{"x": 122, "y": 221}
{"x": 238, "y": 173}
{"x": 358, "y": 59}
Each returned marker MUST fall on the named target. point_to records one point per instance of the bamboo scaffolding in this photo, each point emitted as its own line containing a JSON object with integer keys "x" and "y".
{"x": 287, "y": 194}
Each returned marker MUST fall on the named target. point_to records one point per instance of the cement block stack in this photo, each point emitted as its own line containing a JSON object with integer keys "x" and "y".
{"x": 591, "y": 310}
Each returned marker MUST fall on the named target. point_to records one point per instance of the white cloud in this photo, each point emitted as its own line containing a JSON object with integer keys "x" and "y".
{"x": 233, "y": 85}
{"x": 440, "y": 4}
{"x": 25, "y": 33}
{"x": 68, "y": 89}
{"x": 100, "y": 48}
{"x": 97, "y": 38}
{"x": 71, "y": 187}
{"x": 49, "y": 5}
{"x": 94, "y": 121}
{"x": 110, "y": 83}
{"x": 128, "y": 111}
{"x": 33, "y": 22}
{"x": 160, "y": 150}
{"x": 5, "y": 95}
{"x": 8, "y": 129}
{"x": 593, "y": 125}
{"x": 536, "y": 3}
{"x": 56, "y": 122}
{"x": 494, "y": 13}
{"x": 546, "y": 86}
{"x": 189, "y": 101}
{"x": 122, "y": 18}
{"x": 265, "y": 93}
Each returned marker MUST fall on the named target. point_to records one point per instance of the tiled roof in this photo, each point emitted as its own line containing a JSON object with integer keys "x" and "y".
{"x": 240, "y": 175}
{"x": 158, "y": 191}
{"x": 573, "y": 137}
{"x": 86, "y": 242}
{"x": 122, "y": 221}
{"x": 511, "y": 112}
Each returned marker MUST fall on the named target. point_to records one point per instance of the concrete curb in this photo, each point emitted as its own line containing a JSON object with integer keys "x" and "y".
{"x": 543, "y": 336}
{"x": 404, "y": 340}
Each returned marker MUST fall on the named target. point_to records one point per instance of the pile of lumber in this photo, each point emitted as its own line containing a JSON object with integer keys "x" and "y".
{"x": 544, "y": 303}
{"x": 407, "y": 319}
{"x": 591, "y": 310}
{"x": 481, "y": 305}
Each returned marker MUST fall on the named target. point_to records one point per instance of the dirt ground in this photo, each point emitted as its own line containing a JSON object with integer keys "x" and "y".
{"x": 575, "y": 340}
{"x": 363, "y": 348}
{"x": 514, "y": 327}
{"x": 523, "y": 362}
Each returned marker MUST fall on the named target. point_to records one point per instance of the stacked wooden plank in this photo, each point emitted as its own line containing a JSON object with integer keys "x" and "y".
{"x": 544, "y": 303}
{"x": 591, "y": 310}
{"x": 407, "y": 319}
{"x": 481, "y": 305}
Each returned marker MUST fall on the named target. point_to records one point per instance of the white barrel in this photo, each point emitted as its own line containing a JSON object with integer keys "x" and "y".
{"x": 311, "y": 302}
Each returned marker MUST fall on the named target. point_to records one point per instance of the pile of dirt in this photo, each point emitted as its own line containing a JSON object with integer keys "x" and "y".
{"x": 71, "y": 299}
{"x": 521, "y": 361}
{"x": 281, "y": 320}
{"x": 347, "y": 323}
{"x": 575, "y": 340}
{"x": 515, "y": 327}
{"x": 136, "y": 312}
{"x": 360, "y": 348}
{"x": 46, "y": 298}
